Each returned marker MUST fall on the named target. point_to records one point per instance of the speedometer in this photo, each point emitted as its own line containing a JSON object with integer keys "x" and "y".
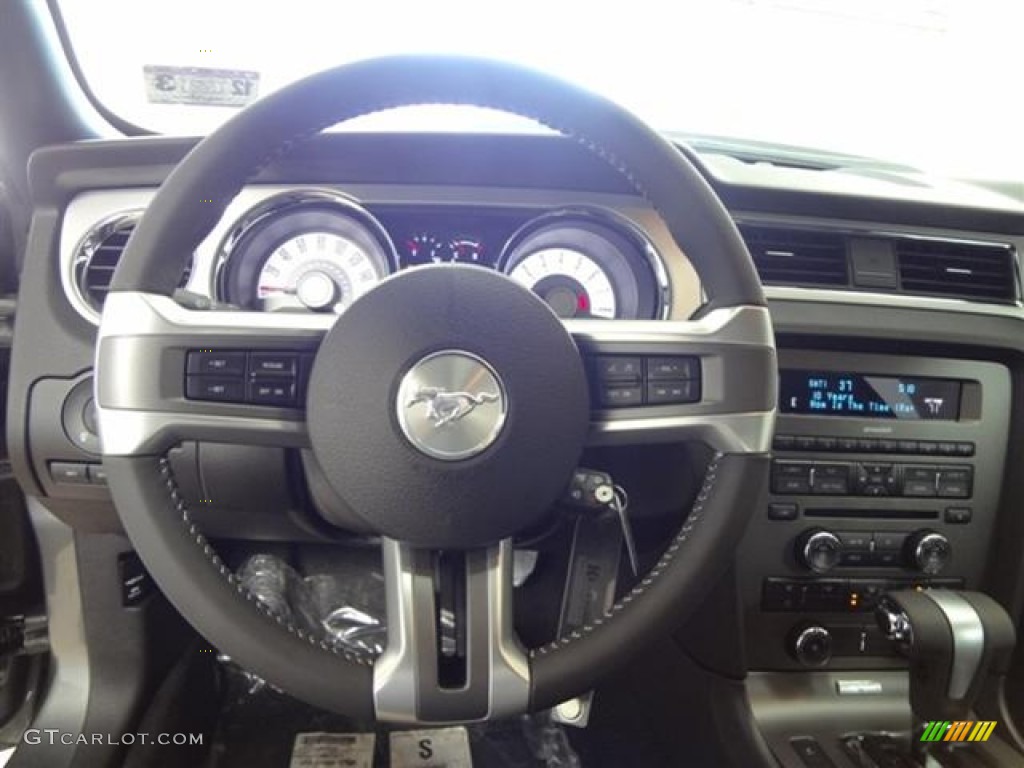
{"x": 315, "y": 252}
{"x": 316, "y": 270}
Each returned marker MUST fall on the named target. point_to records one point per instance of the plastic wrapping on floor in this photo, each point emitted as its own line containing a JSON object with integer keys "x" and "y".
{"x": 347, "y": 605}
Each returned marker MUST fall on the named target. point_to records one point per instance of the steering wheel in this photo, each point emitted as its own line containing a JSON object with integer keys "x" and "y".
{"x": 425, "y": 483}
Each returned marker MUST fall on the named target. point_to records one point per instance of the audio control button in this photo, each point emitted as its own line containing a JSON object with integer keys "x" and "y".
{"x": 855, "y": 541}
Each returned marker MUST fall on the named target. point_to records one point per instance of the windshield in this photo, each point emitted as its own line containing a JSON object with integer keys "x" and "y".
{"x": 926, "y": 83}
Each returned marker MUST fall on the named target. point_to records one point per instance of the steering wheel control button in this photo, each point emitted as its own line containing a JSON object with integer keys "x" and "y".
{"x": 273, "y": 364}
{"x": 216, "y": 363}
{"x": 69, "y": 473}
{"x": 619, "y": 397}
{"x": 619, "y": 368}
{"x": 673, "y": 392}
{"x": 215, "y": 388}
{"x": 451, "y": 405}
{"x": 671, "y": 368}
{"x": 267, "y": 391}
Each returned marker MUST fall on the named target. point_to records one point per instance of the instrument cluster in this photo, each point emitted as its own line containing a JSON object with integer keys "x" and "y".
{"x": 319, "y": 252}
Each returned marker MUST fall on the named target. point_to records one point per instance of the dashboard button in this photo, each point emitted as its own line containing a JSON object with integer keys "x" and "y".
{"x": 867, "y": 445}
{"x": 215, "y": 388}
{"x": 618, "y": 368}
{"x": 907, "y": 446}
{"x": 919, "y": 488}
{"x": 272, "y": 364}
{"x": 958, "y": 515}
{"x": 783, "y": 511}
{"x": 670, "y": 392}
{"x": 848, "y": 444}
{"x": 806, "y": 443}
{"x": 97, "y": 474}
{"x": 828, "y": 444}
{"x": 69, "y": 472}
{"x": 965, "y": 449}
{"x": 226, "y": 363}
{"x": 889, "y": 541}
{"x": 855, "y": 540}
{"x": 783, "y": 443}
{"x": 928, "y": 447}
{"x": 661, "y": 368}
{"x": 272, "y": 392}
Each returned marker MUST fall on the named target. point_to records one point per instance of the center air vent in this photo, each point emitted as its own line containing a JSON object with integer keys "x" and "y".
{"x": 956, "y": 269}
{"x": 797, "y": 257}
{"x": 97, "y": 256}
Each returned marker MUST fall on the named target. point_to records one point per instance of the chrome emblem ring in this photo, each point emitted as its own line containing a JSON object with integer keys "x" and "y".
{"x": 451, "y": 405}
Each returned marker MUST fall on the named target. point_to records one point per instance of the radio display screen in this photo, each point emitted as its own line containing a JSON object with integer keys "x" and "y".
{"x": 866, "y": 396}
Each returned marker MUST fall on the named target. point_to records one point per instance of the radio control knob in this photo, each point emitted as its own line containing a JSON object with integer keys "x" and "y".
{"x": 928, "y": 551}
{"x": 812, "y": 645}
{"x": 819, "y": 550}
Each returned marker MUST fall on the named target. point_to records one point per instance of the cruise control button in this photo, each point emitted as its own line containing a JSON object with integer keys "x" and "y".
{"x": 215, "y": 388}
{"x": 661, "y": 368}
{"x": 271, "y": 392}
{"x": 218, "y": 363}
{"x": 272, "y": 363}
{"x": 618, "y": 368}
{"x": 617, "y": 397}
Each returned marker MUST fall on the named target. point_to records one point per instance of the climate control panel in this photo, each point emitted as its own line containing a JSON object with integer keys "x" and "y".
{"x": 820, "y": 550}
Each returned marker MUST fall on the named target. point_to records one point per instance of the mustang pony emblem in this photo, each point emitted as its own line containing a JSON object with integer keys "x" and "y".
{"x": 445, "y": 407}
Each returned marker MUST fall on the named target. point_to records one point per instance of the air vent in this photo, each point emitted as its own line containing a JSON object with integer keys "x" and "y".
{"x": 958, "y": 270}
{"x": 796, "y": 256}
{"x": 98, "y": 254}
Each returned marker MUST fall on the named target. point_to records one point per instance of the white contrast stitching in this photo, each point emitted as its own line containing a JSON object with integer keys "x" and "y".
{"x": 179, "y": 502}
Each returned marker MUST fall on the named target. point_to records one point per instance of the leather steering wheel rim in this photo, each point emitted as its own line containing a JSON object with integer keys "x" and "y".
{"x": 193, "y": 198}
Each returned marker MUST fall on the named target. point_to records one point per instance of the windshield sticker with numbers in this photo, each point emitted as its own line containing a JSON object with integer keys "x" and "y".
{"x": 200, "y": 86}
{"x": 332, "y": 750}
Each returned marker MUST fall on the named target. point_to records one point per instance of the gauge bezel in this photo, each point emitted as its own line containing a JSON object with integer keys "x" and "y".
{"x": 644, "y": 261}
{"x": 228, "y": 283}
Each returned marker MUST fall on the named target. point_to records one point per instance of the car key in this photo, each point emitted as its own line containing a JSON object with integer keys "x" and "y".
{"x": 592, "y": 489}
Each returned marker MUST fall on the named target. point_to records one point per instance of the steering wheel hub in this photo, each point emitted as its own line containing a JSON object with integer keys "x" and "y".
{"x": 438, "y": 421}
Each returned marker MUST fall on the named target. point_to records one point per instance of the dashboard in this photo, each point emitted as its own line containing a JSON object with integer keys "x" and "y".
{"x": 319, "y": 248}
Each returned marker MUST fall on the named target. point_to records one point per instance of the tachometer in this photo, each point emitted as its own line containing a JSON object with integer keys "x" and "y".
{"x": 584, "y": 267}
{"x": 571, "y": 282}
{"x": 316, "y": 252}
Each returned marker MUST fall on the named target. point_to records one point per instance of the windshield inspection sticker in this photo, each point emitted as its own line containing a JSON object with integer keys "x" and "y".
{"x": 200, "y": 86}
{"x": 437, "y": 748}
{"x": 332, "y": 750}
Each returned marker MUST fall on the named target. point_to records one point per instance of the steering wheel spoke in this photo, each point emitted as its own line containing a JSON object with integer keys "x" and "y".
{"x": 711, "y": 380}
{"x": 167, "y": 373}
{"x": 452, "y": 653}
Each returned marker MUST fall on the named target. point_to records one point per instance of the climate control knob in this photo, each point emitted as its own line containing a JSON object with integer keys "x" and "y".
{"x": 812, "y": 645}
{"x": 928, "y": 551}
{"x": 819, "y": 550}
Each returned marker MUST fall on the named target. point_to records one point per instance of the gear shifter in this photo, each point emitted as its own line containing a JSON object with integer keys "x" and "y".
{"x": 954, "y": 641}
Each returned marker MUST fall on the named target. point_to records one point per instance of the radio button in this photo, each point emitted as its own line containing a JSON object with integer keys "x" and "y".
{"x": 887, "y": 446}
{"x": 783, "y": 443}
{"x": 831, "y": 479}
{"x": 947, "y": 449}
{"x": 965, "y": 449}
{"x": 781, "y": 511}
{"x": 918, "y": 488}
{"x": 928, "y": 447}
{"x": 954, "y": 483}
{"x": 828, "y": 444}
{"x": 847, "y": 444}
{"x": 907, "y": 446}
{"x": 806, "y": 443}
{"x": 791, "y": 478}
{"x": 855, "y": 540}
{"x": 867, "y": 446}
{"x": 889, "y": 541}
{"x": 958, "y": 515}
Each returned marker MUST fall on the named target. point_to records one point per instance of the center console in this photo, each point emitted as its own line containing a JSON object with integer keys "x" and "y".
{"x": 886, "y": 475}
